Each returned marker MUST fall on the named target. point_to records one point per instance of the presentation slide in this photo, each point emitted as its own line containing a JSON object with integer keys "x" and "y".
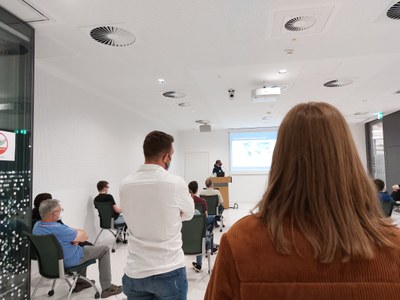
{"x": 251, "y": 151}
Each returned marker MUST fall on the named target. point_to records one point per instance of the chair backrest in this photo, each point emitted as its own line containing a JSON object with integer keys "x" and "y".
{"x": 193, "y": 232}
{"x": 106, "y": 214}
{"x": 212, "y": 203}
{"x": 200, "y": 208}
{"x": 49, "y": 255}
{"x": 387, "y": 207}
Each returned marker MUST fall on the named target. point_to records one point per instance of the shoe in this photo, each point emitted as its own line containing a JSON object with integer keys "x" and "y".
{"x": 215, "y": 249}
{"x": 196, "y": 267}
{"x": 81, "y": 285}
{"x": 112, "y": 290}
{"x": 216, "y": 225}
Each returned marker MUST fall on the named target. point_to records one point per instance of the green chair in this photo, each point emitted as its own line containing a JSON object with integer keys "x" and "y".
{"x": 194, "y": 238}
{"x": 106, "y": 214}
{"x": 51, "y": 263}
{"x": 200, "y": 208}
{"x": 387, "y": 207}
{"x": 212, "y": 204}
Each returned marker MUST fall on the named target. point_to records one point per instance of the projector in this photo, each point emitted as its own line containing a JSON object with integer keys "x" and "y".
{"x": 266, "y": 94}
{"x": 205, "y": 128}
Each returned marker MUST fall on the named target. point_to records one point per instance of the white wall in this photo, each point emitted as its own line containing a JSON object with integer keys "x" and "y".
{"x": 244, "y": 188}
{"x": 81, "y": 137}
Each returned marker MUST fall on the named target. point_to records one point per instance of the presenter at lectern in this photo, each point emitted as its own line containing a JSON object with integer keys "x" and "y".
{"x": 217, "y": 171}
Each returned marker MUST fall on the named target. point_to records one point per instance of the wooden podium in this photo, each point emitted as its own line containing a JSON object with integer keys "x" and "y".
{"x": 221, "y": 184}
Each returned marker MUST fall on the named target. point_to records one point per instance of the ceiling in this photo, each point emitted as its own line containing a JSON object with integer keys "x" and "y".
{"x": 204, "y": 48}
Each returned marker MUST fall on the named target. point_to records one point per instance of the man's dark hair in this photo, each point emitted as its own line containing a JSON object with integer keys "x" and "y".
{"x": 218, "y": 162}
{"x": 156, "y": 143}
{"x": 208, "y": 182}
{"x": 193, "y": 187}
{"x": 41, "y": 197}
{"x": 380, "y": 185}
{"x": 101, "y": 185}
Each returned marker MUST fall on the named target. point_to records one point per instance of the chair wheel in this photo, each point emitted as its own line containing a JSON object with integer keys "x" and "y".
{"x": 125, "y": 241}
{"x": 112, "y": 250}
{"x": 50, "y": 293}
{"x": 223, "y": 226}
{"x": 97, "y": 295}
{"x": 220, "y": 230}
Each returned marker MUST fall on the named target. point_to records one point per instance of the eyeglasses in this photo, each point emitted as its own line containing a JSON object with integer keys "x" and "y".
{"x": 60, "y": 210}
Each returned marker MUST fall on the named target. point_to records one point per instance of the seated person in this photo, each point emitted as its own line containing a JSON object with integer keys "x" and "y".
{"x": 103, "y": 196}
{"x": 383, "y": 195}
{"x": 74, "y": 254}
{"x": 193, "y": 188}
{"x": 210, "y": 191}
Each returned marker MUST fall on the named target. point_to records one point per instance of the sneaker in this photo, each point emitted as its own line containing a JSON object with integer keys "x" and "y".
{"x": 112, "y": 290}
{"x": 215, "y": 249}
{"x": 81, "y": 285}
{"x": 196, "y": 267}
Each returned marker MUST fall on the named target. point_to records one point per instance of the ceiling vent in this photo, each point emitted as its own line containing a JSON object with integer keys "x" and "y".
{"x": 174, "y": 94}
{"x": 338, "y": 83}
{"x": 394, "y": 11}
{"x": 11, "y": 48}
{"x": 112, "y": 36}
{"x": 300, "y": 23}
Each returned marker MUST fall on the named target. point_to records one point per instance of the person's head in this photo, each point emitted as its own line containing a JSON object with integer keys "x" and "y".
{"x": 103, "y": 186}
{"x": 50, "y": 210}
{"x": 209, "y": 183}
{"x": 380, "y": 185}
{"x": 218, "y": 163}
{"x": 39, "y": 198}
{"x": 318, "y": 185}
{"x": 193, "y": 187}
{"x": 158, "y": 149}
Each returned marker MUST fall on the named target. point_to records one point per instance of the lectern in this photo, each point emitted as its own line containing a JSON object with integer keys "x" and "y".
{"x": 221, "y": 183}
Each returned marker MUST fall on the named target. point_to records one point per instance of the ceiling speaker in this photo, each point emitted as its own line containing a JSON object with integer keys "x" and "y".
{"x": 205, "y": 128}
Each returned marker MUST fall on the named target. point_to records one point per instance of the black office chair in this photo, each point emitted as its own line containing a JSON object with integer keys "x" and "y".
{"x": 51, "y": 263}
{"x": 200, "y": 208}
{"x": 106, "y": 214}
{"x": 387, "y": 207}
{"x": 194, "y": 238}
{"x": 213, "y": 203}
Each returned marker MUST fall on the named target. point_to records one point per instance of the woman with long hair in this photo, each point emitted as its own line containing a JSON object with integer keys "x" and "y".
{"x": 319, "y": 232}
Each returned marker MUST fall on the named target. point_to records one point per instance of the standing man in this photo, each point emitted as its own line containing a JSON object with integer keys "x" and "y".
{"x": 155, "y": 203}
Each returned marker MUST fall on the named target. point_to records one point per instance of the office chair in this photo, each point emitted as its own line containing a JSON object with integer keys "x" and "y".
{"x": 194, "y": 238}
{"x": 106, "y": 214}
{"x": 387, "y": 207}
{"x": 213, "y": 203}
{"x": 51, "y": 263}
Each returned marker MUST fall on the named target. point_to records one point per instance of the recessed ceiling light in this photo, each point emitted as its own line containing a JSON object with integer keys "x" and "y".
{"x": 160, "y": 81}
{"x": 283, "y": 71}
{"x": 184, "y": 104}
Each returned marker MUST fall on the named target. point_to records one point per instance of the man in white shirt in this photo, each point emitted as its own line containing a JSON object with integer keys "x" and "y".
{"x": 155, "y": 203}
{"x": 210, "y": 191}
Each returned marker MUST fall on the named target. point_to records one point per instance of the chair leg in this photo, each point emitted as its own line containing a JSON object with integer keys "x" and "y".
{"x": 97, "y": 294}
{"x": 72, "y": 287}
{"x": 51, "y": 292}
{"x": 98, "y": 236}
{"x": 209, "y": 264}
{"x": 36, "y": 288}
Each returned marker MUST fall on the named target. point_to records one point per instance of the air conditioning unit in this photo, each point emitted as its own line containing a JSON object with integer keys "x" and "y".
{"x": 266, "y": 94}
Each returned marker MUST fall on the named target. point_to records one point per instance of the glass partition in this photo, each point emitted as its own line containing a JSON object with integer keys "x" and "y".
{"x": 376, "y": 153}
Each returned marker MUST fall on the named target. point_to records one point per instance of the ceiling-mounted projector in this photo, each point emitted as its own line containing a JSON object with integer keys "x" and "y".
{"x": 266, "y": 94}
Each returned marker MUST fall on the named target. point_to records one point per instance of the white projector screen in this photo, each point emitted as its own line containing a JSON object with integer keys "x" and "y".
{"x": 251, "y": 151}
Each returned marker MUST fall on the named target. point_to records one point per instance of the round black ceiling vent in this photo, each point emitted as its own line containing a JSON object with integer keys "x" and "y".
{"x": 300, "y": 23}
{"x": 11, "y": 48}
{"x": 112, "y": 36}
{"x": 394, "y": 11}
{"x": 338, "y": 82}
{"x": 174, "y": 94}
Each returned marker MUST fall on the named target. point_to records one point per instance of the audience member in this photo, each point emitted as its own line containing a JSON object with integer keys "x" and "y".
{"x": 217, "y": 171}
{"x": 193, "y": 188}
{"x": 50, "y": 212}
{"x": 319, "y": 232}
{"x": 155, "y": 203}
{"x": 104, "y": 197}
{"x": 210, "y": 191}
{"x": 382, "y": 194}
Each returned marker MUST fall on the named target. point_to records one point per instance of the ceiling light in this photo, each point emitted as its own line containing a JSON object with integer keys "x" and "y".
{"x": 184, "y": 104}
{"x": 283, "y": 71}
{"x": 160, "y": 81}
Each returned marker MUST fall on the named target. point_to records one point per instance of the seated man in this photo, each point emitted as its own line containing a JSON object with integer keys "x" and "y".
{"x": 382, "y": 194}
{"x": 210, "y": 191}
{"x": 50, "y": 212}
{"x": 103, "y": 196}
{"x": 193, "y": 188}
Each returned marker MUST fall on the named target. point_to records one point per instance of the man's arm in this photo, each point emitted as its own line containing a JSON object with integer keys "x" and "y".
{"x": 117, "y": 208}
{"x": 81, "y": 236}
{"x": 221, "y": 200}
{"x": 184, "y": 200}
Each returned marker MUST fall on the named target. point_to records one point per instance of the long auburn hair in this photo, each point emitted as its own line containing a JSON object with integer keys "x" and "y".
{"x": 318, "y": 186}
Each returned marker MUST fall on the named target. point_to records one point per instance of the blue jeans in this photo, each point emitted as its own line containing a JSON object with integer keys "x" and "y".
{"x": 199, "y": 258}
{"x": 172, "y": 286}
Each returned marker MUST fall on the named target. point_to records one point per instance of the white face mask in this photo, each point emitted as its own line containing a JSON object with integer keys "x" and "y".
{"x": 60, "y": 216}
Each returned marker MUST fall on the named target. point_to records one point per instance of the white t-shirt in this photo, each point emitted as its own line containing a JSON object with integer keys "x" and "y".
{"x": 154, "y": 203}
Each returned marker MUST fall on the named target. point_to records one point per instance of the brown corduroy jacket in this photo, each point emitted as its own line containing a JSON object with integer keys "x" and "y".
{"x": 249, "y": 268}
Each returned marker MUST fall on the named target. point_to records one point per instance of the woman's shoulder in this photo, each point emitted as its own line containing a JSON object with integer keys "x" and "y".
{"x": 251, "y": 223}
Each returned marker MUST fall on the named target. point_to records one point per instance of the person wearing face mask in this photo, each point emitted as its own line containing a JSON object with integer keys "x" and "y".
{"x": 155, "y": 202}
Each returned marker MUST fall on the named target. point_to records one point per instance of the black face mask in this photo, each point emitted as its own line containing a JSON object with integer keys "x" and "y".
{"x": 166, "y": 167}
